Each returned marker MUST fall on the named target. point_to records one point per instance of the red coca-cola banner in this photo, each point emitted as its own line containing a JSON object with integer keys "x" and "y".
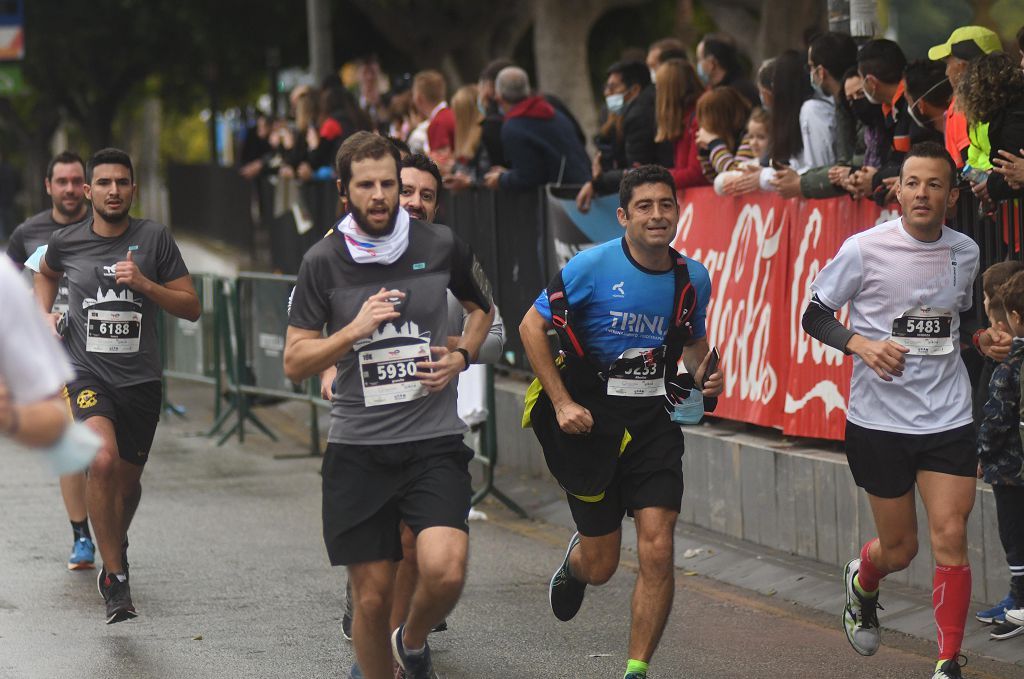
{"x": 762, "y": 253}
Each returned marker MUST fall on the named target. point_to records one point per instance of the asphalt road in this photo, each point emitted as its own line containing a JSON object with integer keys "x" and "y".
{"x": 231, "y": 579}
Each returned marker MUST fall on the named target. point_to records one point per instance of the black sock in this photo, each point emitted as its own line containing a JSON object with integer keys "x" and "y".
{"x": 81, "y": 529}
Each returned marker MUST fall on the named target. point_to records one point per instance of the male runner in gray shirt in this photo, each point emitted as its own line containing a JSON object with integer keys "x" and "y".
{"x": 121, "y": 271}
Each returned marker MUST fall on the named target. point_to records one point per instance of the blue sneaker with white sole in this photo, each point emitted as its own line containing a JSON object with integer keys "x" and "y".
{"x": 83, "y": 555}
{"x": 997, "y": 614}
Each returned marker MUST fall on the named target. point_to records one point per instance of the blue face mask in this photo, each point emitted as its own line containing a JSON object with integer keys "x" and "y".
{"x": 481, "y": 107}
{"x": 816, "y": 86}
{"x": 701, "y": 73}
{"x": 615, "y": 102}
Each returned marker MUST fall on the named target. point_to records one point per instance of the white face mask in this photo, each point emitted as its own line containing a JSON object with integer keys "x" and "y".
{"x": 867, "y": 95}
{"x": 653, "y": 71}
{"x": 615, "y": 102}
{"x": 912, "y": 106}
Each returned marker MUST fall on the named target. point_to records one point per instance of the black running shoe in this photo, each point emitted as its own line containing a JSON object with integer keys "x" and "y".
{"x": 565, "y": 593}
{"x": 124, "y": 556}
{"x": 950, "y": 669}
{"x": 440, "y": 627}
{"x": 119, "y": 600}
{"x": 101, "y": 578}
{"x": 1005, "y": 630}
{"x": 346, "y": 618}
{"x": 416, "y": 666}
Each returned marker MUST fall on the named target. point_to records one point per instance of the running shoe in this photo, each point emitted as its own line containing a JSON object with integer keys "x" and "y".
{"x": 1005, "y": 630}
{"x": 440, "y": 627}
{"x": 416, "y": 666}
{"x": 635, "y": 675}
{"x": 356, "y": 672}
{"x": 124, "y": 556}
{"x": 950, "y": 669}
{"x": 860, "y": 617}
{"x": 101, "y": 579}
{"x": 83, "y": 555}
{"x": 118, "y": 596}
{"x": 398, "y": 672}
{"x": 346, "y": 618}
{"x": 1015, "y": 615}
{"x": 996, "y": 614}
{"x": 565, "y": 593}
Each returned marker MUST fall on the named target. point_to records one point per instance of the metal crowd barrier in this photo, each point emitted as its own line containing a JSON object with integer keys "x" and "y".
{"x": 191, "y": 350}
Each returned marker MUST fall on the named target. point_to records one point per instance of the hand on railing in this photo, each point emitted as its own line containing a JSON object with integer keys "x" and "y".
{"x": 1011, "y": 167}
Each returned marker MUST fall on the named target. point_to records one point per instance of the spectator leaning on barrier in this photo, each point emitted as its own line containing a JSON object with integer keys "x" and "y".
{"x": 538, "y": 142}
{"x": 719, "y": 65}
{"x": 722, "y": 115}
{"x": 992, "y": 92}
{"x": 678, "y": 89}
{"x": 928, "y": 94}
{"x": 827, "y": 128}
{"x": 965, "y": 44}
{"x": 470, "y": 161}
{"x": 748, "y": 172}
{"x": 794, "y": 104}
{"x": 630, "y": 94}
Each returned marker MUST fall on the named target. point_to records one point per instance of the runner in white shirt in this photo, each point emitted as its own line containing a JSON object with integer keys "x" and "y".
{"x": 909, "y": 418}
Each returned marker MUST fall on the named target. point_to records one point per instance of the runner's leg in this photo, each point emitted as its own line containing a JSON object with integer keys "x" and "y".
{"x": 896, "y": 526}
{"x": 405, "y": 578}
{"x": 595, "y": 560}
{"x": 948, "y": 499}
{"x": 441, "y": 554}
{"x": 372, "y": 585}
{"x": 72, "y": 489}
{"x": 113, "y": 486}
{"x": 655, "y": 583}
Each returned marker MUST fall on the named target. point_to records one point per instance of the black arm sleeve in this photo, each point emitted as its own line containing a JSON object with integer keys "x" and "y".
{"x": 821, "y": 323}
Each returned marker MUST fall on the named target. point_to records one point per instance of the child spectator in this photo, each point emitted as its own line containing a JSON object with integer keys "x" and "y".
{"x": 470, "y": 159}
{"x": 677, "y": 91}
{"x": 753, "y": 152}
{"x": 1000, "y": 454}
{"x": 722, "y": 115}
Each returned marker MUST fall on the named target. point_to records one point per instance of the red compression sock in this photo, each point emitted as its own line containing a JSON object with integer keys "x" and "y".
{"x": 951, "y": 597}
{"x": 869, "y": 575}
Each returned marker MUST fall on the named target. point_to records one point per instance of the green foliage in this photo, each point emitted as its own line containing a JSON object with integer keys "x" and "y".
{"x": 627, "y": 27}
{"x": 921, "y": 24}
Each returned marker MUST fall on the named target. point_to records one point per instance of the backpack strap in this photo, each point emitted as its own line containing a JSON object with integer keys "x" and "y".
{"x": 684, "y": 305}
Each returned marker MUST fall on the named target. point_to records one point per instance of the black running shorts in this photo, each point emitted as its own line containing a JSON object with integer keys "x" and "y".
{"x": 368, "y": 489}
{"x": 649, "y": 474}
{"x": 885, "y": 464}
{"x": 134, "y": 410}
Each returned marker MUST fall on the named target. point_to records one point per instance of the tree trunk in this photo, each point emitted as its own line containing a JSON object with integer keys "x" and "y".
{"x": 560, "y": 32}
{"x": 318, "y": 31}
{"x": 784, "y": 24}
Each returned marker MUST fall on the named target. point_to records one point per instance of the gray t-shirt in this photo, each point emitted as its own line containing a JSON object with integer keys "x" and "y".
{"x": 112, "y": 328}
{"x": 376, "y": 399}
{"x": 27, "y": 238}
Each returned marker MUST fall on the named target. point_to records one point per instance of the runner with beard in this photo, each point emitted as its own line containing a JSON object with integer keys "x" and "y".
{"x": 377, "y": 284}
{"x": 65, "y": 182}
{"x": 420, "y": 196}
{"x": 121, "y": 272}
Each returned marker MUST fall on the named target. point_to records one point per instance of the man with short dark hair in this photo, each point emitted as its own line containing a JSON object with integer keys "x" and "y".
{"x": 719, "y": 65}
{"x": 121, "y": 273}
{"x": 64, "y": 182}
{"x": 605, "y": 418}
{"x": 629, "y": 94}
{"x": 377, "y": 284}
{"x": 909, "y": 419}
{"x": 537, "y": 140}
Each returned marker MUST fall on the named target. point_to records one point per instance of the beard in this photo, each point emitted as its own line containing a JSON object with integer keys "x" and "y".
{"x": 69, "y": 213}
{"x": 113, "y": 216}
{"x": 363, "y": 223}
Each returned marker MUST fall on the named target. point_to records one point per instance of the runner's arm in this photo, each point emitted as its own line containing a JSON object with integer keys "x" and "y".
{"x": 307, "y": 352}
{"x": 533, "y": 332}
{"x": 44, "y": 285}
{"x": 177, "y": 297}
{"x": 38, "y": 424}
{"x": 820, "y": 322}
{"x": 695, "y": 358}
{"x": 476, "y": 329}
{"x": 885, "y": 357}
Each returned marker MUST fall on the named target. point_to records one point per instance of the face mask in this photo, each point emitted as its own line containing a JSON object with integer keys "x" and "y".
{"x": 867, "y": 95}
{"x": 615, "y": 102}
{"x": 480, "y": 106}
{"x": 702, "y": 73}
{"x": 652, "y": 75}
{"x": 913, "y": 113}
{"x": 818, "y": 91}
{"x": 868, "y": 113}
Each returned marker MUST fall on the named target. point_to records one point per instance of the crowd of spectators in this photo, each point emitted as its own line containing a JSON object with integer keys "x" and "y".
{"x": 835, "y": 118}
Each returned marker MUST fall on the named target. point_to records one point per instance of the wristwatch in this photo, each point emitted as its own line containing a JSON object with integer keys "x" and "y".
{"x": 465, "y": 355}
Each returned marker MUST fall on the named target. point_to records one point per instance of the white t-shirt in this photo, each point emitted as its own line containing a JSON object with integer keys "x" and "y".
{"x": 883, "y": 273}
{"x": 32, "y": 361}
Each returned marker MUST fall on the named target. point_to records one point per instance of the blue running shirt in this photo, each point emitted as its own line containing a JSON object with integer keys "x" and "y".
{"x": 620, "y": 305}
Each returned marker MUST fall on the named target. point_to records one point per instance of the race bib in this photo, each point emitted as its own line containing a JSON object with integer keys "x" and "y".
{"x": 389, "y": 373}
{"x": 924, "y": 331}
{"x": 629, "y": 377}
{"x": 113, "y": 332}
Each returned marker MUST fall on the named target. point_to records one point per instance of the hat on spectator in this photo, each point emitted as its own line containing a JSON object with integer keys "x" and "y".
{"x": 967, "y": 43}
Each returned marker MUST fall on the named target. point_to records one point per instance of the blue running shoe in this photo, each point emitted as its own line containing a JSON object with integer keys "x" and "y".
{"x": 997, "y": 614}
{"x": 83, "y": 555}
{"x": 635, "y": 675}
{"x": 416, "y": 665}
{"x": 356, "y": 672}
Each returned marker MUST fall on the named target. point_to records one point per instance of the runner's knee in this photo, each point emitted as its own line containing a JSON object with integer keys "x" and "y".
{"x": 898, "y": 555}
{"x": 950, "y": 535}
{"x": 656, "y": 553}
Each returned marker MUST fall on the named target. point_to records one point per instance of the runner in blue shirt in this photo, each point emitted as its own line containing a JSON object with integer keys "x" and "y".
{"x": 621, "y": 298}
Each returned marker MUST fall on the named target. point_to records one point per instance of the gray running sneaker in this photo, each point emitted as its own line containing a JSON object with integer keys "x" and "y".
{"x": 860, "y": 617}
{"x": 346, "y": 617}
{"x": 118, "y": 597}
{"x": 950, "y": 669}
{"x": 565, "y": 593}
{"x": 1005, "y": 630}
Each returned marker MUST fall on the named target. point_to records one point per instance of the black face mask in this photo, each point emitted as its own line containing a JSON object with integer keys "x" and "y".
{"x": 868, "y": 113}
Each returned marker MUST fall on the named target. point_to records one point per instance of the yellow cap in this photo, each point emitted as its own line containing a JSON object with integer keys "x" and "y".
{"x": 984, "y": 39}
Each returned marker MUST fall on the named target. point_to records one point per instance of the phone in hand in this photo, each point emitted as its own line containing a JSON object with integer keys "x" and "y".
{"x": 399, "y": 302}
{"x": 712, "y": 366}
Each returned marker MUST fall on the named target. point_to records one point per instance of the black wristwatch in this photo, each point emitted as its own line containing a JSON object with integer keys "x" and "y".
{"x": 465, "y": 355}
